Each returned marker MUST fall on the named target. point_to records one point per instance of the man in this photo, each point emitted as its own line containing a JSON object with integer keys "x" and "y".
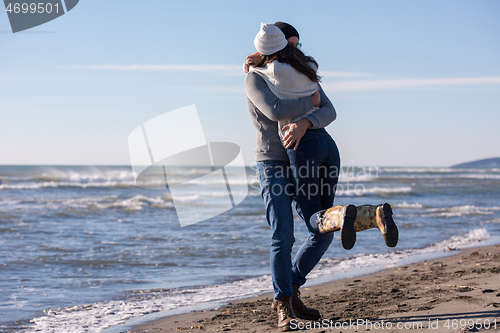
{"x": 277, "y": 190}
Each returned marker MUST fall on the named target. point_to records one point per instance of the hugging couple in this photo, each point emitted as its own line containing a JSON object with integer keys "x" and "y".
{"x": 290, "y": 111}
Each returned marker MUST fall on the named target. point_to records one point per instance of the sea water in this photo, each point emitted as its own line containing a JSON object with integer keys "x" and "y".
{"x": 83, "y": 249}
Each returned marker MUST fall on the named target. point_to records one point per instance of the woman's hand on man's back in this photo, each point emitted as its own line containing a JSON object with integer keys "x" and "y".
{"x": 251, "y": 60}
{"x": 316, "y": 98}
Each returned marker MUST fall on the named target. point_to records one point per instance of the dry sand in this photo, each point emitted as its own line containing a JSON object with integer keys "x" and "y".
{"x": 460, "y": 293}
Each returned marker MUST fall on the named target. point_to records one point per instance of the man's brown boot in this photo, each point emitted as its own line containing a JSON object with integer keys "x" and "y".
{"x": 300, "y": 309}
{"x": 285, "y": 313}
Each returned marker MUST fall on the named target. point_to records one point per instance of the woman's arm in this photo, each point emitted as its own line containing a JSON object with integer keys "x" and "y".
{"x": 250, "y": 61}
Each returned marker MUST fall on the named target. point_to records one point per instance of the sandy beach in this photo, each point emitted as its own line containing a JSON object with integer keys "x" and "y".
{"x": 459, "y": 293}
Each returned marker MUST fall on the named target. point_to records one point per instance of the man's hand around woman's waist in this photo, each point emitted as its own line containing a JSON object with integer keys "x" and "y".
{"x": 295, "y": 133}
{"x": 297, "y": 129}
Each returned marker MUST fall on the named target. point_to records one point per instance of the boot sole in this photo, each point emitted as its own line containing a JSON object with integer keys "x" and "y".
{"x": 306, "y": 317}
{"x": 391, "y": 237}
{"x": 286, "y": 328}
{"x": 347, "y": 233}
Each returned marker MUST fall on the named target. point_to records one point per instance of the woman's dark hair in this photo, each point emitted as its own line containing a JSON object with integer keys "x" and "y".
{"x": 295, "y": 58}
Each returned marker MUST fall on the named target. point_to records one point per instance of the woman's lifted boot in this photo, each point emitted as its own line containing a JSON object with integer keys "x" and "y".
{"x": 378, "y": 217}
{"x": 339, "y": 218}
{"x": 365, "y": 217}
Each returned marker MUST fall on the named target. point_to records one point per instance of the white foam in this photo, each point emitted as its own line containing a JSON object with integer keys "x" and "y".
{"x": 137, "y": 202}
{"x": 109, "y": 180}
{"x": 51, "y": 177}
{"x": 460, "y": 211}
{"x": 362, "y": 190}
{"x": 471, "y": 238}
{"x": 443, "y": 173}
{"x": 406, "y": 205}
{"x": 351, "y": 178}
{"x": 60, "y": 184}
{"x": 481, "y": 176}
{"x": 422, "y": 170}
{"x": 234, "y": 181}
{"x": 103, "y": 315}
{"x": 188, "y": 198}
{"x": 9, "y": 202}
{"x": 92, "y": 203}
{"x": 100, "y": 316}
{"x": 495, "y": 220}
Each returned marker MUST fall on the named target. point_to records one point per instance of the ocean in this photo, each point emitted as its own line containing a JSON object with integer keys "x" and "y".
{"x": 83, "y": 249}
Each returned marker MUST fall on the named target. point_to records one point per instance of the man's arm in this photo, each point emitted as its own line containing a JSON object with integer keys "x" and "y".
{"x": 278, "y": 109}
{"x": 318, "y": 119}
{"x": 325, "y": 115}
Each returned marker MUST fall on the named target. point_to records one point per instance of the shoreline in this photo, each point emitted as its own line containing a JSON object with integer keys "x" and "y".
{"x": 442, "y": 294}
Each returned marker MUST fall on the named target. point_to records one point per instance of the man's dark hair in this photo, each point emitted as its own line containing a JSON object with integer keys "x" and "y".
{"x": 287, "y": 29}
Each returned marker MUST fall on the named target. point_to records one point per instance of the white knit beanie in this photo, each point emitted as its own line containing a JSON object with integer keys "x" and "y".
{"x": 270, "y": 39}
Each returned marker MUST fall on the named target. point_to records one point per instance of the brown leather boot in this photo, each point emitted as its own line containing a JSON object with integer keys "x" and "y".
{"x": 285, "y": 313}
{"x": 300, "y": 310}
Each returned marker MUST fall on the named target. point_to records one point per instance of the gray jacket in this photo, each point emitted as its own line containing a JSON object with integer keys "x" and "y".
{"x": 266, "y": 110}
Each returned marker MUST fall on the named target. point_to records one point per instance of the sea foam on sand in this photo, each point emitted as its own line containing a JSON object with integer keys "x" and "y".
{"x": 105, "y": 315}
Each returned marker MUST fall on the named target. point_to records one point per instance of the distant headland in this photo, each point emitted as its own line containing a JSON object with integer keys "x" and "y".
{"x": 483, "y": 164}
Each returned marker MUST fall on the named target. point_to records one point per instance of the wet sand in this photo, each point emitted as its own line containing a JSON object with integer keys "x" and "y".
{"x": 460, "y": 293}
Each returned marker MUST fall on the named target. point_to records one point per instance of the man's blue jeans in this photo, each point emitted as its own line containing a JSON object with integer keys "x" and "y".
{"x": 277, "y": 190}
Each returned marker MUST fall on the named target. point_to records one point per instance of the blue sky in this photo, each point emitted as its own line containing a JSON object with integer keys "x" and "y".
{"x": 414, "y": 83}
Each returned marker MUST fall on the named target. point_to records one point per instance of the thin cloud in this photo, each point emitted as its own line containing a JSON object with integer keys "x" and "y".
{"x": 238, "y": 89}
{"x": 224, "y": 69}
{"x": 165, "y": 68}
{"x": 339, "y": 86}
{"x": 344, "y": 75}
{"x": 363, "y": 85}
